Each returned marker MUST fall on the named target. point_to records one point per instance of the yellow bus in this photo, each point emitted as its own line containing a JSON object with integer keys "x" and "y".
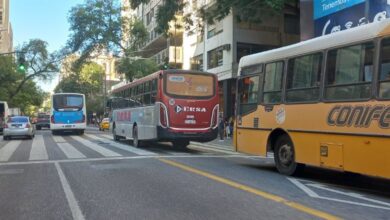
{"x": 324, "y": 102}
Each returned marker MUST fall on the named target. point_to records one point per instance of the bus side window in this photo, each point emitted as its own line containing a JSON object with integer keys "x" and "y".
{"x": 273, "y": 83}
{"x": 303, "y": 78}
{"x": 349, "y": 72}
{"x": 248, "y": 91}
{"x": 384, "y": 76}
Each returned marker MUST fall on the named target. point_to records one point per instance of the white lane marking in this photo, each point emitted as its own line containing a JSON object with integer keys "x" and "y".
{"x": 58, "y": 139}
{"x": 70, "y": 151}
{"x": 121, "y": 158}
{"x": 313, "y": 194}
{"x": 107, "y": 136}
{"x": 7, "y": 151}
{"x": 122, "y": 146}
{"x": 101, "y": 150}
{"x": 38, "y": 149}
{"x": 72, "y": 202}
{"x": 354, "y": 195}
{"x": 11, "y": 171}
{"x": 212, "y": 149}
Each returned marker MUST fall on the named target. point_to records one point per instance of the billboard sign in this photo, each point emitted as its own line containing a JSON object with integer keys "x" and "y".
{"x": 326, "y": 7}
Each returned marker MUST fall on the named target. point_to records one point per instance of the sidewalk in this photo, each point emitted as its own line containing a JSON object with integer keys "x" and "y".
{"x": 224, "y": 145}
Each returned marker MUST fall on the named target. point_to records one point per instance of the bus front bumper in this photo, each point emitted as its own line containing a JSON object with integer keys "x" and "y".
{"x": 165, "y": 134}
{"x": 78, "y": 126}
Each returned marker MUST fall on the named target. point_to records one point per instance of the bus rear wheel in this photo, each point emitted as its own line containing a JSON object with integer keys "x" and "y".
{"x": 284, "y": 156}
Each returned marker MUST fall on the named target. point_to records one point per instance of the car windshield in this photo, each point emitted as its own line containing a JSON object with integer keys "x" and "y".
{"x": 18, "y": 120}
{"x": 43, "y": 116}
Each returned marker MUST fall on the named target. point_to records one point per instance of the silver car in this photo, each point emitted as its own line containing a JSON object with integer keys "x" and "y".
{"x": 18, "y": 126}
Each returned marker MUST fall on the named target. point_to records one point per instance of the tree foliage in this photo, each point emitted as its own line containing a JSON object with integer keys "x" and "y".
{"x": 135, "y": 69}
{"x": 87, "y": 80}
{"x": 40, "y": 64}
{"x": 98, "y": 25}
{"x": 29, "y": 95}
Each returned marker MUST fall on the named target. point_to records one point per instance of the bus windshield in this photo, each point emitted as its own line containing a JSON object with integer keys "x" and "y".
{"x": 68, "y": 102}
{"x": 189, "y": 85}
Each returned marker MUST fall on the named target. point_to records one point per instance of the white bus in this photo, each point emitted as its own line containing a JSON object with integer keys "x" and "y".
{"x": 68, "y": 113}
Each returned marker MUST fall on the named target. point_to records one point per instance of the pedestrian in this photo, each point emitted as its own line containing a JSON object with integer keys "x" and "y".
{"x": 221, "y": 129}
{"x": 227, "y": 128}
{"x": 231, "y": 125}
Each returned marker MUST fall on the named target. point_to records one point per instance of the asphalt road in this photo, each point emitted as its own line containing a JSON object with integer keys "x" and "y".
{"x": 93, "y": 177}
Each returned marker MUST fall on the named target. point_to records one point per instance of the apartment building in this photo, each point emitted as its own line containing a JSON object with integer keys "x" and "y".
{"x": 218, "y": 47}
{"x": 6, "y": 34}
{"x": 163, "y": 49}
{"x": 215, "y": 48}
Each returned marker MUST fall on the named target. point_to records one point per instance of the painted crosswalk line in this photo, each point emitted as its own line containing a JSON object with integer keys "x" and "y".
{"x": 122, "y": 146}
{"x": 70, "y": 151}
{"x": 38, "y": 149}
{"x": 101, "y": 150}
{"x": 59, "y": 139}
{"x": 7, "y": 151}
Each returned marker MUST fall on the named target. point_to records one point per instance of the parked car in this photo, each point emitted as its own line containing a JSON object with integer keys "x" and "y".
{"x": 105, "y": 124}
{"x": 43, "y": 120}
{"x": 18, "y": 126}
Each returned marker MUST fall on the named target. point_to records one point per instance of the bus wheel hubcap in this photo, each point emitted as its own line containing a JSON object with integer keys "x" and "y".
{"x": 286, "y": 155}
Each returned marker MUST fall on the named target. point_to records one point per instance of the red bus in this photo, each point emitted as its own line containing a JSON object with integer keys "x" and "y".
{"x": 171, "y": 105}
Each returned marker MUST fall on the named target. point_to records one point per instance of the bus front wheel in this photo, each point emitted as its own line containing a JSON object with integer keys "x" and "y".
{"x": 284, "y": 156}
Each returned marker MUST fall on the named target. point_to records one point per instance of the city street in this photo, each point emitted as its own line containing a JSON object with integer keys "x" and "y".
{"x": 93, "y": 177}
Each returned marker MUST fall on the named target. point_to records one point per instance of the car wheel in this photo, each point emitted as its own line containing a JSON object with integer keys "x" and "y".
{"x": 116, "y": 137}
{"x": 284, "y": 157}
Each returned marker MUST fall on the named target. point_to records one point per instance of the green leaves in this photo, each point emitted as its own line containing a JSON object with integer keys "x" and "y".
{"x": 136, "y": 68}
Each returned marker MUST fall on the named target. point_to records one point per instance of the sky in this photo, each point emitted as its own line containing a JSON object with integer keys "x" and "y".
{"x": 43, "y": 19}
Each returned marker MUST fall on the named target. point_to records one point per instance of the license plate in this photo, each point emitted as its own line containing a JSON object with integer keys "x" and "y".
{"x": 68, "y": 126}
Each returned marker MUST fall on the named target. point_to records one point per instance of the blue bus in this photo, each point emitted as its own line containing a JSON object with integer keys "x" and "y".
{"x": 68, "y": 113}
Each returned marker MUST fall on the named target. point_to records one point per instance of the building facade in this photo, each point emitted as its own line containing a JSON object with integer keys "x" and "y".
{"x": 6, "y": 34}
{"x": 215, "y": 48}
{"x": 218, "y": 47}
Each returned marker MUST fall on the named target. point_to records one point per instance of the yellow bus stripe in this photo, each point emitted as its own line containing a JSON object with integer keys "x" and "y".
{"x": 263, "y": 194}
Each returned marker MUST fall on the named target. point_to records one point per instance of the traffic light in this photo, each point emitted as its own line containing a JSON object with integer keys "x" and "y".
{"x": 22, "y": 63}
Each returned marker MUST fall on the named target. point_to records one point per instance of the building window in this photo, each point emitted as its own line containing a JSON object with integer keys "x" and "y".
{"x": 244, "y": 49}
{"x": 214, "y": 29}
{"x": 1, "y": 17}
{"x": 197, "y": 63}
{"x": 149, "y": 16}
{"x": 291, "y": 24}
{"x": 214, "y": 58}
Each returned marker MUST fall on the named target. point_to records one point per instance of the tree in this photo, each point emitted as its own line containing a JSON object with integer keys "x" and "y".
{"x": 87, "y": 80}
{"x": 135, "y": 69}
{"x": 40, "y": 64}
{"x": 29, "y": 96}
{"x": 98, "y": 25}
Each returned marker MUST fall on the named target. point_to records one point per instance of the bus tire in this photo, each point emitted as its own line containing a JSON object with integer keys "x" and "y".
{"x": 81, "y": 132}
{"x": 180, "y": 144}
{"x": 54, "y": 132}
{"x": 136, "y": 141}
{"x": 284, "y": 156}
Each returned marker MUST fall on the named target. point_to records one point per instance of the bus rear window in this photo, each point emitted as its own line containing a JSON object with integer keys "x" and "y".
{"x": 189, "y": 85}
{"x": 67, "y": 102}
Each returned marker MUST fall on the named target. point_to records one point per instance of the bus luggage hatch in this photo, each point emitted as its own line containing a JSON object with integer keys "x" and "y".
{"x": 331, "y": 155}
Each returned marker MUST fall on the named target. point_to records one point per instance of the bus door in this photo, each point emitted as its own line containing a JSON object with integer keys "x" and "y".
{"x": 248, "y": 98}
